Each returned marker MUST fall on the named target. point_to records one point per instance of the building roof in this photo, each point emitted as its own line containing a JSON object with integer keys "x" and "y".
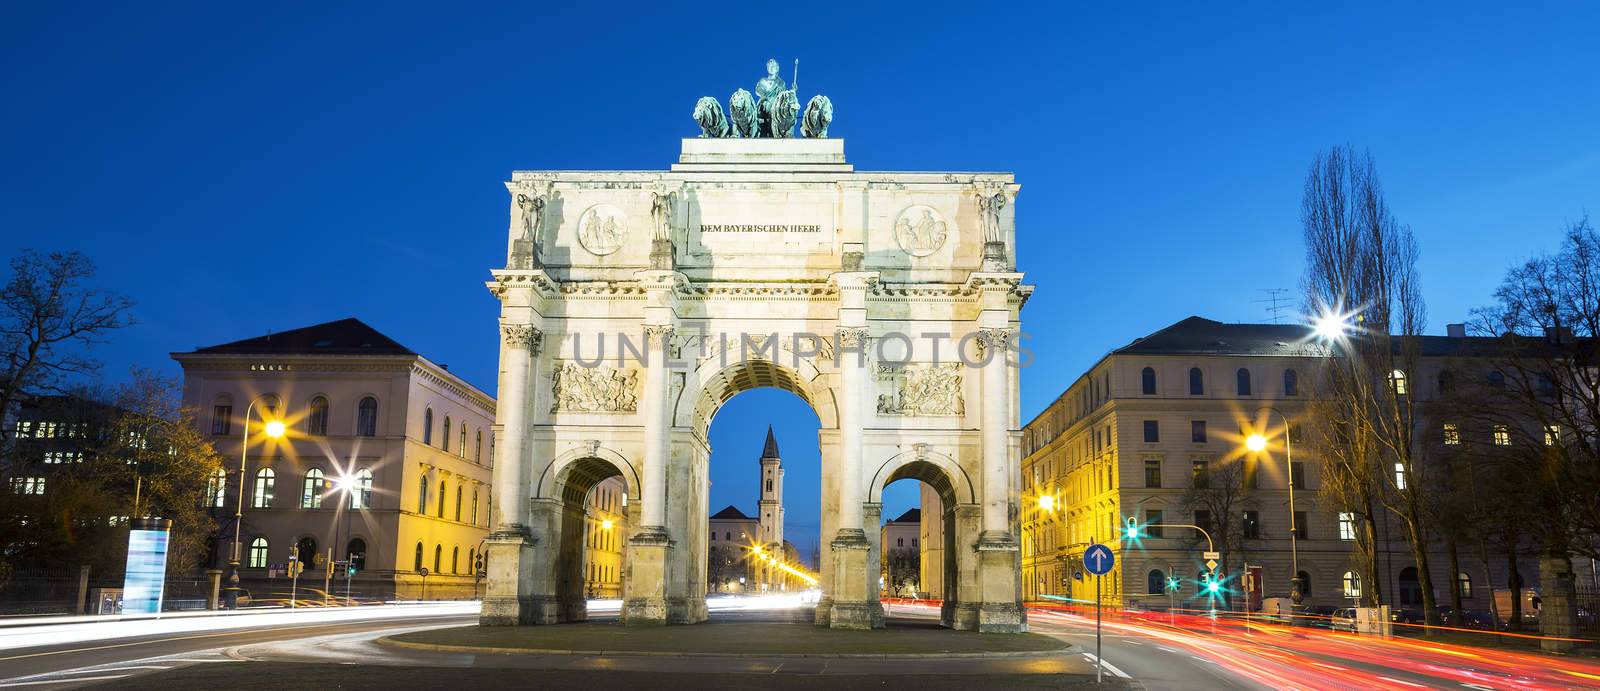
{"x": 343, "y": 337}
{"x": 771, "y": 449}
{"x": 1201, "y": 336}
{"x": 912, "y": 516}
{"x": 731, "y": 513}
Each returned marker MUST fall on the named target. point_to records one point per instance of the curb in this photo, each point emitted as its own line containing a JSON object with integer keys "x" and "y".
{"x": 492, "y": 650}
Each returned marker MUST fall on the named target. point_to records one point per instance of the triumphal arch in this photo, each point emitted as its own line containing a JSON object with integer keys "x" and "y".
{"x": 635, "y": 303}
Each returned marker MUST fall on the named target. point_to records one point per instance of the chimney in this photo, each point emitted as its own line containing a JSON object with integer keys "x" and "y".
{"x": 1558, "y": 334}
{"x": 444, "y": 367}
{"x": 1455, "y": 330}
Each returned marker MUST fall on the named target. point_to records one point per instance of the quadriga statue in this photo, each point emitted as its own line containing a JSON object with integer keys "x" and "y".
{"x": 742, "y": 109}
{"x": 708, "y": 113}
{"x": 819, "y": 113}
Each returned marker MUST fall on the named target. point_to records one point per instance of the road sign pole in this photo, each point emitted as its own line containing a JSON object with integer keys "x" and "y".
{"x": 1099, "y": 662}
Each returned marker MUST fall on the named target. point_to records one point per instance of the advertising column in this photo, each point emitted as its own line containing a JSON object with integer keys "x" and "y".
{"x": 146, "y": 572}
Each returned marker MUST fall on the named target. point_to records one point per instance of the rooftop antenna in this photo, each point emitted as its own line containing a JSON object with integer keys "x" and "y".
{"x": 1275, "y": 302}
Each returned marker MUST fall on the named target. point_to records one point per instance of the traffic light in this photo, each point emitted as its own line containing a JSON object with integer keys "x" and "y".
{"x": 1132, "y": 531}
{"x": 1213, "y": 585}
{"x": 477, "y": 564}
{"x": 1173, "y": 584}
{"x": 350, "y": 571}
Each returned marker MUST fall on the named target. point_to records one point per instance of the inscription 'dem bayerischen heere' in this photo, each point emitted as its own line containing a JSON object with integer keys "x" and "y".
{"x": 760, "y": 228}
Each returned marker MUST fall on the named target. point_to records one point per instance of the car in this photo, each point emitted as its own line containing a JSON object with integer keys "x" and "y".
{"x": 1316, "y": 616}
{"x": 1343, "y": 619}
{"x": 1470, "y": 618}
{"x": 1406, "y": 616}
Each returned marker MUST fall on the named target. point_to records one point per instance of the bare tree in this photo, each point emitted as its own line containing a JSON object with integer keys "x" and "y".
{"x": 1360, "y": 260}
{"x": 47, "y": 316}
{"x": 1222, "y": 491}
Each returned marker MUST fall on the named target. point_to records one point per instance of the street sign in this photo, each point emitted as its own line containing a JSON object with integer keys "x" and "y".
{"x": 1211, "y": 565}
{"x": 1077, "y": 575}
{"x": 1211, "y": 555}
{"x": 1098, "y": 559}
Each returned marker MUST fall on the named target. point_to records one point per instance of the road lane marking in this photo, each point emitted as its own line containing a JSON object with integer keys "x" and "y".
{"x": 1109, "y": 667}
{"x": 1174, "y": 651}
{"x": 1402, "y": 681}
{"x": 1480, "y": 687}
{"x": 230, "y": 632}
{"x": 123, "y": 668}
{"x": 61, "y": 681}
{"x": 1214, "y": 662}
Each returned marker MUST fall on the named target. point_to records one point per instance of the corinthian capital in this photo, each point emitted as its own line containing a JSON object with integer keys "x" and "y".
{"x": 522, "y": 336}
{"x": 658, "y": 334}
{"x": 997, "y": 338}
{"x": 851, "y": 336}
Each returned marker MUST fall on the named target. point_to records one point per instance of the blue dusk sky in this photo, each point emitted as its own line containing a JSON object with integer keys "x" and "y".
{"x": 237, "y": 168}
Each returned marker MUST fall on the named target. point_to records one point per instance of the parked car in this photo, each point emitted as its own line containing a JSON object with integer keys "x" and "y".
{"x": 1470, "y": 618}
{"x": 1316, "y": 616}
{"x": 1406, "y": 616}
{"x": 1343, "y": 619}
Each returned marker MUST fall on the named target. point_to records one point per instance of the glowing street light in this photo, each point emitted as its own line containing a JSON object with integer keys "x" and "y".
{"x": 605, "y": 524}
{"x": 1047, "y": 503}
{"x": 1256, "y": 443}
{"x": 273, "y": 428}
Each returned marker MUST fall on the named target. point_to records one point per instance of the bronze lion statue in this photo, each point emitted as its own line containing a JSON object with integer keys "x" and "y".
{"x": 708, "y": 113}
{"x": 742, "y": 110}
{"x": 777, "y": 115}
{"x": 819, "y": 113}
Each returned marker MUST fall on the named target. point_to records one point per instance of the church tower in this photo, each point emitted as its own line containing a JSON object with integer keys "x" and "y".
{"x": 771, "y": 506}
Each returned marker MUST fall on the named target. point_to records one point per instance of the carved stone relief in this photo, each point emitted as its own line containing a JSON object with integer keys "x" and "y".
{"x": 921, "y": 390}
{"x": 578, "y": 389}
{"x": 921, "y": 230}
{"x": 602, "y": 229}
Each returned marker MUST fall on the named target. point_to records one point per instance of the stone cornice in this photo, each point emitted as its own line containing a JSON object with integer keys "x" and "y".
{"x": 449, "y": 382}
{"x": 536, "y": 279}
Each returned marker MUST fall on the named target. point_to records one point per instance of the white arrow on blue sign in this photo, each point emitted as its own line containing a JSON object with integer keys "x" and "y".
{"x": 1098, "y": 559}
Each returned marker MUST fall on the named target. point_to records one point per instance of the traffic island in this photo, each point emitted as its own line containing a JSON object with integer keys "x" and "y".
{"x": 728, "y": 639}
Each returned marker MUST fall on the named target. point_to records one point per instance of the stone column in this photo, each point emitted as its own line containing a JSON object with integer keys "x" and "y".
{"x": 851, "y": 607}
{"x": 646, "y": 600}
{"x": 998, "y": 549}
{"x": 508, "y": 595}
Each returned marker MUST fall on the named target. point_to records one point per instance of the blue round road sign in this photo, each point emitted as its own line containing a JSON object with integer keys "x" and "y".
{"x": 1098, "y": 559}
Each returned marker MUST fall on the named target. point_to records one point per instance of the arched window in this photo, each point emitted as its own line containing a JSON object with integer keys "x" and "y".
{"x": 1147, "y": 381}
{"x": 311, "y": 491}
{"x": 444, "y": 442}
{"x": 427, "y": 426}
{"x": 258, "y": 553}
{"x": 438, "y": 557}
{"x": 455, "y": 559}
{"x": 1291, "y": 383}
{"x": 367, "y": 417}
{"x": 1156, "y": 582}
{"x": 356, "y": 553}
{"x": 262, "y": 498}
{"x": 1197, "y": 382}
{"x": 477, "y": 449}
{"x": 1305, "y": 584}
{"x": 1242, "y": 381}
{"x": 461, "y": 448}
{"x": 361, "y": 498}
{"x": 422, "y": 495}
{"x": 417, "y": 565}
{"x": 474, "y": 507}
{"x": 1410, "y": 586}
{"x": 217, "y": 489}
{"x": 222, "y": 415}
{"x": 1464, "y": 584}
{"x": 1352, "y": 584}
{"x": 307, "y": 549}
{"x": 442, "y": 495}
{"x": 458, "y": 503}
{"x": 317, "y": 417}
{"x": 1397, "y": 382}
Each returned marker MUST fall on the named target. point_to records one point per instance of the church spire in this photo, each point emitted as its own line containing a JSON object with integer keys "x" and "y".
{"x": 771, "y": 450}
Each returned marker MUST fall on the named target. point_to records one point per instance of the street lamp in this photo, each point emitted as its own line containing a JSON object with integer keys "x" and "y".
{"x": 275, "y": 430}
{"x": 1258, "y": 443}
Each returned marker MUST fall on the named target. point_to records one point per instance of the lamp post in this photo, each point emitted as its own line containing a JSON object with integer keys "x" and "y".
{"x": 1258, "y": 443}
{"x": 273, "y": 429}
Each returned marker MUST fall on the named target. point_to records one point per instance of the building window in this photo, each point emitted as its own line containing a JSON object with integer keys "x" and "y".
{"x": 1464, "y": 584}
{"x": 1153, "y": 520}
{"x": 361, "y": 498}
{"x": 355, "y": 553}
{"x": 444, "y": 442}
{"x": 438, "y": 557}
{"x": 1352, "y": 585}
{"x": 1502, "y": 435}
{"x": 1399, "y": 476}
{"x": 311, "y": 491}
{"x": 32, "y": 484}
{"x": 1152, "y": 431}
{"x": 367, "y": 417}
{"x": 475, "y": 511}
{"x": 222, "y": 419}
{"x": 262, "y": 498}
{"x": 900, "y": 542}
{"x": 1297, "y": 474}
{"x": 1252, "y": 525}
{"x": 258, "y": 553}
{"x": 317, "y": 418}
{"x": 1147, "y": 381}
{"x": 1347, "y": 526}
{"x": 1155, "y": 582}
{"x": 416, "y": 564}
{"x": 427, "y": 426}
{"x": 442, "y": 496}
{"x": 1200, "y": 474}
{"x": 1291, "y": 383}
{"x": 455, "y": 559}
{"x": 1203, "y": 520}
{"x": 1452, "y": 434}
{"x": 422, "y": 495}
{"x": 62, "y": 457}
{"x": 1447, "y": 381}
{"x": 1552, "y": 435}
{"x": 1243, "y": 381}
{"x": 461, "y": 446}
{"x": 1397, "y": 382}
{"x": 217, "y": 489}
{"x": 1197, "y": 382}
{"x": 458, "y": 503}
{"x": 1152, "y": 472}
{"x": 1197, "y": 431}
{"x": 1301, "y": 528}
{"x": 477, "y": 449}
